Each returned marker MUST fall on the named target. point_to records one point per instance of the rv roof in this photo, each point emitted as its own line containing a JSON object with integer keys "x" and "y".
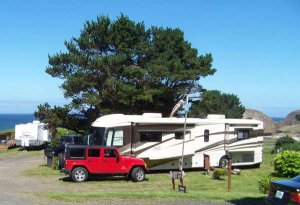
{"x": 113, "y": 120}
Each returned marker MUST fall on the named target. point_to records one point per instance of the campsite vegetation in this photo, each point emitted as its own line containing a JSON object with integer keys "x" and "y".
{"x": 245, "y": 187}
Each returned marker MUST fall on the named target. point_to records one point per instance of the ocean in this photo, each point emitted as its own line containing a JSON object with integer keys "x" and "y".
{"x": 8, "y": 121}
{"x": 277, "y": 119}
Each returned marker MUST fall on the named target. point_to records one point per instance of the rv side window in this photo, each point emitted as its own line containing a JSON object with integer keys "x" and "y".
{"x": 109, "y": 137}
{"x": 94, "y": 153}
{"x": 179, "y": 135}
{"x": 243, "y": 134}
{"x": 206, "y": 135}
{"x": 114, "y": 138}
{"x": 150, "y": 136}
{"x": 118, "y": 138}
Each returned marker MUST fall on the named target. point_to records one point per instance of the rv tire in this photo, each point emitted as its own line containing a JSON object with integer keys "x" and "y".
{"x": 138, "y": 174}
{"x": 224, "y": 161}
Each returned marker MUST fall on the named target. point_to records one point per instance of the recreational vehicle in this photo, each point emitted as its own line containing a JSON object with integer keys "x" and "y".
{"x": 159, "y": 141}
{"x": 31, "y": 134}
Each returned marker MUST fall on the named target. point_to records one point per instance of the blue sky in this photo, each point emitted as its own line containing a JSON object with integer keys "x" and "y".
{"x": 255, "y": 46}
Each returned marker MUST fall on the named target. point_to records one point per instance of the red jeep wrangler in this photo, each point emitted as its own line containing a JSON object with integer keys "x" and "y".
{"x": 82, "y": 160}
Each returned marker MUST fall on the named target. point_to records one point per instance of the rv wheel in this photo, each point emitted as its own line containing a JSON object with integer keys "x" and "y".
{"x": 138, "y": 174}
{"x": 224, "y": 161}
{"x": 79, "y": 174}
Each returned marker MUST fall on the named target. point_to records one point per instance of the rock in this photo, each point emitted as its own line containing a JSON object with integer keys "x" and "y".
{"x": 269, "y": 125}
{"x": 290, "y": 119}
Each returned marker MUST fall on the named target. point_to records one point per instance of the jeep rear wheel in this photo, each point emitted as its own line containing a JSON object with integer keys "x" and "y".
{"x": 138, "y": 174}
{"x": 79, "y": 174}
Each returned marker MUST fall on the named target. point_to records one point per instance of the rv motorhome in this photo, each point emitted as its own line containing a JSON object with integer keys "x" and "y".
{"x": 159, "y": 140}
{"x": 31, "y": 134}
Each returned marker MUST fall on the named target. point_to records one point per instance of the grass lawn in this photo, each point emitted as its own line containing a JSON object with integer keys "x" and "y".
{"x": 9, "y": 152}
{"x": 159, "y": 187}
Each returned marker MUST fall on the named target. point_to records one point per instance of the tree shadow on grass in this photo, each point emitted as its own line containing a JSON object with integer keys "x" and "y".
{"x": 249, "y": 201}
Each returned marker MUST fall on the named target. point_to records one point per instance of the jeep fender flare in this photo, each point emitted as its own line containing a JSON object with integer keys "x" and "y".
{"x": 79, "y": 165}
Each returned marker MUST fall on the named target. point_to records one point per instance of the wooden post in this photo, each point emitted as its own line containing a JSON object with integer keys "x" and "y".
{"x": 173, "y": 182}
{"x": 181, "y": 181}
{"x": 229, "y": 175}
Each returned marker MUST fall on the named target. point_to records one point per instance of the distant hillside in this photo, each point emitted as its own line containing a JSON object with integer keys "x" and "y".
{"x": 269, "y": 125}
{"x": 290, "y": 119}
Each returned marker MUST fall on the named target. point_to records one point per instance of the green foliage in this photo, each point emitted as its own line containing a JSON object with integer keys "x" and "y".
{"x": 119, "y": 66}
{"x": 57, "y": 116}
{"x": 287, "y": 163}
{"x": 264, "y": 184}
{"x": 218, "y": 172}
{"x": 295, "y": 146}
{"x": 285, "y": 140}
{"x": 215, "y": 102}
{"x": 297, "y": 117}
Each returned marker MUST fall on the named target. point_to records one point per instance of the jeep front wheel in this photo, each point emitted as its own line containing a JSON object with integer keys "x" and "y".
{"x": 138, "y": 174}
{"x": 79, "y": 174}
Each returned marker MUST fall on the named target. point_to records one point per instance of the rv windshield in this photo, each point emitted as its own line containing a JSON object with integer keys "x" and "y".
{"x": 96, "y": 135}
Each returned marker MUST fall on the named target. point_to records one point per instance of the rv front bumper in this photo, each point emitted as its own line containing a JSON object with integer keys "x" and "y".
{"x": 66, "y": 171}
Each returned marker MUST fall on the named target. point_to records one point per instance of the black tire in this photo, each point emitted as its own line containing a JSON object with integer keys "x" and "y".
{"x": 60, "y": 160}
{"x": 79, "y": 174}
{"x": 224, "y": 162}
{"x": 138, "y": 174}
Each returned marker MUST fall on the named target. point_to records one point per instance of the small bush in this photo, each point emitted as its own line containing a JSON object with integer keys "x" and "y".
{"x": 218, "y": 172}
{"x": 264, "y": 184}
{"x": 293, "y": 147}
{"x": 287, "y": 163}
{"x": 282, "y": 141}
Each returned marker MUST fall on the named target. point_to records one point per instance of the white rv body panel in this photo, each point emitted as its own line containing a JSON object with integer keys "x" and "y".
{"x": 159, "y": 141}
{"x": 31, "y": 134}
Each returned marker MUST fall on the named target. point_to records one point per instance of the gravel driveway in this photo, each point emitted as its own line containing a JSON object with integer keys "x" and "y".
{"x": 18, "y": 189}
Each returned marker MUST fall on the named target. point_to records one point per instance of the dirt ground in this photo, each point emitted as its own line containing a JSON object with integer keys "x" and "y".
{"x": 18, "y": 189}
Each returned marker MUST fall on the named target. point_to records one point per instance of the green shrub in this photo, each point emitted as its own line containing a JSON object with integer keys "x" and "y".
{"x": 218, "y": 172}
{"x": 287, "y": 163}
{"x": 264, "y": 184}
{"x": 297, "y": 117}
{"x": 294, "y": 146}
{"x": 282, "y": 141}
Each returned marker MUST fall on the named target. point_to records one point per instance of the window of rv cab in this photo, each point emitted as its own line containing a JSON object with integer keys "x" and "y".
{"x": 150, "y": 136}
{"x": 96, "y": 136}
{"x": 114, "y": 137}
{"x": 243, "y": 134}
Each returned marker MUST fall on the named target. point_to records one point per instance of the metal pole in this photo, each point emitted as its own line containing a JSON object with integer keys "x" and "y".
{"x": 183, "y": 141}
{"x": 229, "y": 175}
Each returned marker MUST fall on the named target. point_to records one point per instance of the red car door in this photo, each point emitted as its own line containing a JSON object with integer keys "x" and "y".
{"x": 111, "y": 162}
{"x": 94, "y": 160}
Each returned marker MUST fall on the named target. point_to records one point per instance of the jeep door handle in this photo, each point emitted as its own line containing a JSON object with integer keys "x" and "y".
{"x": 90, "y": 160}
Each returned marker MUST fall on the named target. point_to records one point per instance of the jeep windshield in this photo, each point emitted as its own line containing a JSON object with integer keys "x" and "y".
{"x": 96, "y": 135}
